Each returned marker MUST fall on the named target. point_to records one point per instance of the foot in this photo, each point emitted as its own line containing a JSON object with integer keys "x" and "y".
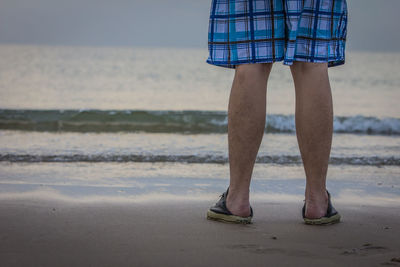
{"x": 316, "y": 205}
{"x": 331, "y": 215}
{"x": 220, "y": 212}
{"x": 238, "y": 204}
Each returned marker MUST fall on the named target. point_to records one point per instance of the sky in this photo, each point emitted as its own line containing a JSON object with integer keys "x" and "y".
{"x": 373, "y": 24}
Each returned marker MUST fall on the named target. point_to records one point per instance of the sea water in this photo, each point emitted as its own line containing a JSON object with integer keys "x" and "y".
{"x": 83, "y": 123}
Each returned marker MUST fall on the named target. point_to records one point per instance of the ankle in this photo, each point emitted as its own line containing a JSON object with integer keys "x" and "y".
{"x": 316, "y": 195}
{"x": 238, "y": 204}
{"x": 238, "y": 195}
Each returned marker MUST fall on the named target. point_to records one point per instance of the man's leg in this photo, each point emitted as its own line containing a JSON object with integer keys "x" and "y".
{"x": 314, "y": 127}
{"x": 246, "y": 123}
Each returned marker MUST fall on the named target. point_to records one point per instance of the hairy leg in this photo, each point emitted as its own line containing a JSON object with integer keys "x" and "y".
{"x": 314, "y": 127}
{"x": 246, "y": 123}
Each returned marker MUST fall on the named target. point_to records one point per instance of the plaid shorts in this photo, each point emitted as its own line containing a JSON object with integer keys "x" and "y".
{"x": 265, "y": 31}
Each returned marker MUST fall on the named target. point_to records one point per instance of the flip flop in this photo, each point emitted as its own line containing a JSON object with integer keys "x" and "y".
{"x": 219, "y": 212}
{"x": 331, "y": 216}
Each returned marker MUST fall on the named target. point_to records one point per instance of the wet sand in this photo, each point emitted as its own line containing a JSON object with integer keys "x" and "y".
{"x": 59, "y": 233}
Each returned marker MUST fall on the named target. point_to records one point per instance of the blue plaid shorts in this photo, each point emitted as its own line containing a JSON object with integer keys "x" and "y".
{"x": 265, "y": 31}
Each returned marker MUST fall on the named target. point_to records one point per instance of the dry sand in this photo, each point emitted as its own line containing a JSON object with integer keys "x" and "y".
{"x": 56, "y": 233}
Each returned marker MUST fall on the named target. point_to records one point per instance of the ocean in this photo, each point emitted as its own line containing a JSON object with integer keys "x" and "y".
{"x": 143, "y": 124}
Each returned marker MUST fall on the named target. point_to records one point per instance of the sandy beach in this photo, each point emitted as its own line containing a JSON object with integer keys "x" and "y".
{"x": 59, "y": 233}
{"x": 107, "y": 159}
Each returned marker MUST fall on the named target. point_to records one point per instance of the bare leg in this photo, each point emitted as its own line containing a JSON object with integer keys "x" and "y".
{"x": 246, "y": 123}
{"x": 314, "y": 127}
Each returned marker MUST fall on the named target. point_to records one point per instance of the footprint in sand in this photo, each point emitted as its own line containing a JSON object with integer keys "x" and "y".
{"x": 259, "y": 249}
{"x": 366, "y": 249}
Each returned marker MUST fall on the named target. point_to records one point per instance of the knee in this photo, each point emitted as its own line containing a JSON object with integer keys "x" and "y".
{"x": 249, "y": 74}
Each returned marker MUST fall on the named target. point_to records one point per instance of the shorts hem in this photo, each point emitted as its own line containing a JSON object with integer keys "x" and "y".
{"x": 331, "y": 62}
{"x": 233, "y": 64}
